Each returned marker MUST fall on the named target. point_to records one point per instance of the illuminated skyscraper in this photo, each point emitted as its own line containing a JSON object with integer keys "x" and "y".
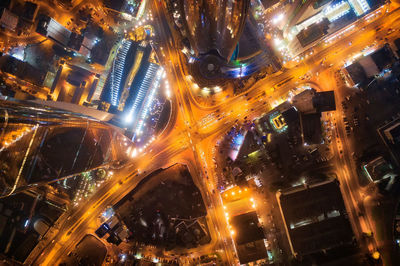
{"x": 40, "y": 144}
{"x": 214, "y": 25}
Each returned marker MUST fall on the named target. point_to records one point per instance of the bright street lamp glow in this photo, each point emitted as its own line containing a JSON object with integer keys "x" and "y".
{"x": 128, "y": 118}
{"x": 277, "y": 19}
{"x": 134, "y": 153}
{"x": 277, "y": 42}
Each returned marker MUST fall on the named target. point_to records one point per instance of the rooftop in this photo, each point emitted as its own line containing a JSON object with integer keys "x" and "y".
{"x": 249, "y": 145}
{"x": 311, "y": 128}
{"x": 314, "y": 225}
{"x": 324, "y": 101}
{"x": 249, "y": 237}
{"x": 393, "y": 133}
{"x": 246, "y": 228}
{"x": 378, "y": 169}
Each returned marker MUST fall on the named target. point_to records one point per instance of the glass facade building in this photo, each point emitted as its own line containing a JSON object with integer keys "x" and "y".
{"x": 40, "y": 144}
{"x": 214, "y": 25}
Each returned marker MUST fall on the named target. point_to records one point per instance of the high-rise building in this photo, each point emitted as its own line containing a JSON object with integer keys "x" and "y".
{"x": 53, "y": 30}
{"x": 213, "y": 25}
{"x": 118, "y": 77}
{"x": 131, "y": 85}
{"x": 132, "y": 8}
{"x": 40, "y": 144}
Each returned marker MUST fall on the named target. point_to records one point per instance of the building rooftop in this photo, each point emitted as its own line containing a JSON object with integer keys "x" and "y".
{"x": 383, "y": 57}
{"x": 249, "y": 145}
{"x": 246, "y": 228}
{"x": 393, "y": 133}
{"x": 249, "y": 237}
{"x": 52, "y": 29}
{"x": 390, "y": 135}
{"x": 397, "y": 43}
{"x": 75, "y": 41}
{"x": 315, "y": 217}
{"x": 251, "y": 251}
{"x": 269, "y": 3}
{"x": 370, "y": 65}
{"x": 356, "y": 72}
{"x": 8, "y": 20}
{"x": 117, "y": 5}
{"x": 30, "y": 10}
{"x": 311, "y": 128}
{"x": 324, "y": 101}
{"x": 313, "y": 32}
{"x": 303, "y": 101}
{"x": 22, "y": 70}
{"x": 290, "y": 115}
{"x": 378, "y": 169}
